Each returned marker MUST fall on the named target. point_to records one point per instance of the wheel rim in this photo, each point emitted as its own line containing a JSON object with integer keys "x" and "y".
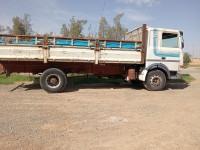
{"x": 53, "y": 81}
{"x": 155, "y": 80}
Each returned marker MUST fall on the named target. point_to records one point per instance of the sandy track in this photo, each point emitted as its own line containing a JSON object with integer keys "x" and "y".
{"x": 88, "y": 117}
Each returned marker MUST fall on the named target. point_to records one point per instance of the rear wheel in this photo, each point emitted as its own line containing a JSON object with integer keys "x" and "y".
{"x": 155, "y": 81}
{"x": 53, "y": 80}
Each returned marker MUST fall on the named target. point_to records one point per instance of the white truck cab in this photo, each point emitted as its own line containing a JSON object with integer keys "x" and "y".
{"x": 164, "y": 53}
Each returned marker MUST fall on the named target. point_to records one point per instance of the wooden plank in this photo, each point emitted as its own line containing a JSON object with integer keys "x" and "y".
{"x": 143, "y": 52}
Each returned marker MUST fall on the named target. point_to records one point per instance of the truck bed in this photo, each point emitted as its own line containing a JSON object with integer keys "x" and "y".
{"x": 66, "y": 49}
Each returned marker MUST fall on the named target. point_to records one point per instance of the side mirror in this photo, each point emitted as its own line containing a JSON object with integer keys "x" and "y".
{"x": 182, "y": 44}
{"x": 181, "y": 33}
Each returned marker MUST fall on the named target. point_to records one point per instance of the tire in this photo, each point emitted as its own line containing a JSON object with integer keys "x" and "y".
{"x": 53, "y": 80}
{"x": 155, "y": 80}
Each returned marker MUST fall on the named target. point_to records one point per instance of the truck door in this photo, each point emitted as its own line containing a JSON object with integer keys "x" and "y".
{"x": 169, "y": 50}
{"x": 164, "y": 46}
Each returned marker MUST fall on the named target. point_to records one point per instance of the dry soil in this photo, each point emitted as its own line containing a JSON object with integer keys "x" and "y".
{"x": 100, "y": 117}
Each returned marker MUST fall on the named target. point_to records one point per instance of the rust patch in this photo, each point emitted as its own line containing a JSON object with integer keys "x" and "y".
{"x": 1, "y": 69}
{"x": 131, "y": 74}
{"x": 67, "y": 67}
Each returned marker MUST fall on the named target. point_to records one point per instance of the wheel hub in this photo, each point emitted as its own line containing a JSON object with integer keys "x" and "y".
{"x": 53, "y": 81}
{"x": 155, "y": 80}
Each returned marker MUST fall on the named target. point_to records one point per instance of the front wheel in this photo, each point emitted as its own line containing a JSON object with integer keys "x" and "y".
{"x": 155, "y": 81}
{"x": 53, "y": 80}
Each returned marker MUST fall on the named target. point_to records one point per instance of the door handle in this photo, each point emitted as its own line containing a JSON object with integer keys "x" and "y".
{"x": 163, "y": 58}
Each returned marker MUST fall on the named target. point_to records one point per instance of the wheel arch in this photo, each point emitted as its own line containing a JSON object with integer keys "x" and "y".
{"x": 161, "y": 67}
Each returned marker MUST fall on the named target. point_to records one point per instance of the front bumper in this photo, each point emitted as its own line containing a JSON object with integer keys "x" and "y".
{"x": 177, "y": 76}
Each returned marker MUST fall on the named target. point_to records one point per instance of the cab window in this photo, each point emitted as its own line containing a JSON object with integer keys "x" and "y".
{"x": 170, "y": 40}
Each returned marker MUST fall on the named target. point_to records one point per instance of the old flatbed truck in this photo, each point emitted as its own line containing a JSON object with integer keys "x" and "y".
{"x": 151, "y": 55}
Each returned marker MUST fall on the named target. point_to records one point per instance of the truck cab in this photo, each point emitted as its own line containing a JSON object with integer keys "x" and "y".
{"x": 163, "y": 53}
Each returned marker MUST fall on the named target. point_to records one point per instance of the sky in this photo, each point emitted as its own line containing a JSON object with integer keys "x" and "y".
{"x": 49, "y": 15}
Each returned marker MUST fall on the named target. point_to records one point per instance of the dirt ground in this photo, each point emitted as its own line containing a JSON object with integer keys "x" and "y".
{"x": 195, "y": 61}
{"x": 100, "y": 116}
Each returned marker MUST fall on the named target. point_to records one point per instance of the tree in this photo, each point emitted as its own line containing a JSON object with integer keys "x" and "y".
{"x": 111, "y": 33}
{"x": 104, "y": 28}
{"x": 90, "y": 34}
{"x": 27, "y": 24}
{"x": 22, "y": 26}
{"x": 9, "y": 30}
{"x": 186, "y": 59}
{"x": 18, "y": 27}
{"x": 64, "y": 30}
{"x": 45, "y": 34}
{"x": 2, "y": 29}
{"x": 48, "y": 34}
{"x": 74, "y": 29}
{"x": 118, "y": 30}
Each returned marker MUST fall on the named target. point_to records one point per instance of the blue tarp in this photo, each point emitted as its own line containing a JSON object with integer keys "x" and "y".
{"x": 83, "y": 43}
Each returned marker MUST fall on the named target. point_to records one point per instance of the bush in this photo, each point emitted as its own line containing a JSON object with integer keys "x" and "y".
{"x": 186, "y": 59}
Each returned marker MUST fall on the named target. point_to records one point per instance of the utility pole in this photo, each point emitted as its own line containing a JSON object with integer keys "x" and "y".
{"x": 193, "y": 51}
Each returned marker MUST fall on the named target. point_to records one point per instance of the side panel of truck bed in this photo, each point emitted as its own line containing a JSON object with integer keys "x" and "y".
{"x": 68, "y": 49}
{"x": 30, "y": 53}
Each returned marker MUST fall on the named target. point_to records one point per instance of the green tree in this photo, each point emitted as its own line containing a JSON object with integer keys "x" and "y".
{"x": 2, "y": 29}
{"x": 64, "y": 30}
{"x": 74, "y": 28}
{"x": 104, "y": 29}
{"x": 45, "y": 34}
{"x": 48, "y": 34}
{"x": 18, "y": 27}
{"x": 186, "y": 59}
{"x": 9, "y": 30}
{"x": 22, "y": 26}
{"x": 90, "y": 34}
{"x": 26, "y": 20}
{"x": 118, "y": 31}
{"x": 111, "y": 33}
